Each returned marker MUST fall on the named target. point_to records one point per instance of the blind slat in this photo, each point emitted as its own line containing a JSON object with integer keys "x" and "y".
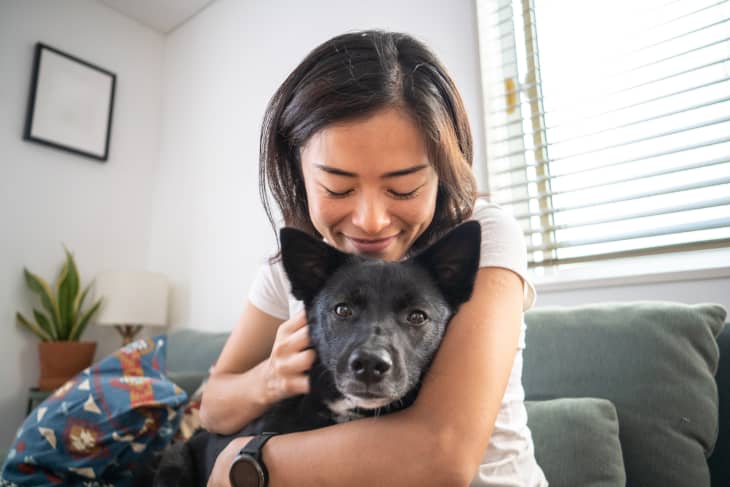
{"x": 683, "y": 91}
{"x": 620, "y": 126}
{"x": 635, "y": 196}
{"x": 623, "y": 143}
{"x": 603, "y": 96}
{"x": 719, "y": 202}
{"x": 618, "y": 237}
{"x": 638, "y": 252}
{"x": 551, "y": 177}
{"x": 610, "y": 182}
{"x": 685, "y": 148}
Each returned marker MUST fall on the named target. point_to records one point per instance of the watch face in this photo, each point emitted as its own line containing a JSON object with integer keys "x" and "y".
{"x": 246, "y": 472}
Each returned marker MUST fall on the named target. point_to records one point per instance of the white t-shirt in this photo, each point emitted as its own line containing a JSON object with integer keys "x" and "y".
{"x": 509, "y": 460}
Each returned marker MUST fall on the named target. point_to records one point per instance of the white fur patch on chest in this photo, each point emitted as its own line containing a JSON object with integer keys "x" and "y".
{"x": 344, "y": 409}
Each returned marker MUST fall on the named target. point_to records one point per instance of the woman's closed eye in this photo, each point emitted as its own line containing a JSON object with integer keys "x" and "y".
{"x": 406, "y": 195}
{"x": 337, "y": 194}
{"x": 396, "y": 194}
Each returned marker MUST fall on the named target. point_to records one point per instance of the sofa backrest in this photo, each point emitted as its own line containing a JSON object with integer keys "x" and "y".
{"x": 190, "y": 353}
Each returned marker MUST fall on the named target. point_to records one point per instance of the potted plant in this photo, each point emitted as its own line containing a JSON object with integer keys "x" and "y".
{"x": 61, "y": 354}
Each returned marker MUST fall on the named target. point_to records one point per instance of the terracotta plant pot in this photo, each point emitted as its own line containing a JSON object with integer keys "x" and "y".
{"x": 60, "y": 361}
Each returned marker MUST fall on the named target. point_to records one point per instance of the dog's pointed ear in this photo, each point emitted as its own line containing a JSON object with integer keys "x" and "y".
{"x": 454, "y": 261}
{"x": 308, "y": 262}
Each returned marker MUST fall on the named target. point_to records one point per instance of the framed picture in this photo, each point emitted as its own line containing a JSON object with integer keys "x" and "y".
{"x": 70, "y": 104}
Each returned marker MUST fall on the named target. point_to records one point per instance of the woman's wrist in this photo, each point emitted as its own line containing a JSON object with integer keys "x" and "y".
{"x": 232, "y": 400}
{"x": 219, "y": 476}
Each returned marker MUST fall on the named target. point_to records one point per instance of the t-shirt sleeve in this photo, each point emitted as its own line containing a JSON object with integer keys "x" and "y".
{"x": 269, "y": 291}
{"x": 503, "y": 245}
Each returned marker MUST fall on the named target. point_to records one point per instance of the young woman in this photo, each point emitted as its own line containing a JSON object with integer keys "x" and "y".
{"x": 367, "y": 145}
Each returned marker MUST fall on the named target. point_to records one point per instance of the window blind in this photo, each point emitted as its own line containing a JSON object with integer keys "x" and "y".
{"x": 608, "y": 124}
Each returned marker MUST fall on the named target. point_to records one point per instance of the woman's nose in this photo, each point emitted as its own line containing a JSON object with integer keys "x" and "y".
{"x": 371, "y": 215}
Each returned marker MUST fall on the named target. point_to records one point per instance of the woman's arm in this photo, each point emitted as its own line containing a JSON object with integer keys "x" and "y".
{"x": 441, "y": 439}
{"x": 263, "y": 361}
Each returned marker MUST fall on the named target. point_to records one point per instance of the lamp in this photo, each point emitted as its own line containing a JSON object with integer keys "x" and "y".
{"x": 131, "y": 300}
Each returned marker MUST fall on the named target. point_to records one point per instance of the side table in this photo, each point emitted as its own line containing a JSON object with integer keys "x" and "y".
{"x": 35, "y": 397}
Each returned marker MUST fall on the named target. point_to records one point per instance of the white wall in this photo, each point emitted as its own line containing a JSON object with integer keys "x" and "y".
{"x": 210, "y": 233}
{"x": 49, "y": 197}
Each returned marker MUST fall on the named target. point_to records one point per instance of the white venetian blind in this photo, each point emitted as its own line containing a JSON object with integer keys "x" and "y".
{"x": 608, "y": 124}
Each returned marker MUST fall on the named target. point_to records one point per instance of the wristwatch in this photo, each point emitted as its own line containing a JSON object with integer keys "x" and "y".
{"x": 248, "y": 468}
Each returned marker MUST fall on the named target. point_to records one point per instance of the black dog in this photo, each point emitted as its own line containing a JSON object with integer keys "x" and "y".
{"x": 375, "y": 326}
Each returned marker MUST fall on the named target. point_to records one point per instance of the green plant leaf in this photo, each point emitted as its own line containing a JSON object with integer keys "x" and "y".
{"x": 33, "y": 328}
{"x": 80, "y": 326}
{"x": 68, "y": 289}
{"x": 62, "y": 291}
{"x": 42, "y": 321}
{"x": 79, "y": 302}
{"x": 48, "y": 300}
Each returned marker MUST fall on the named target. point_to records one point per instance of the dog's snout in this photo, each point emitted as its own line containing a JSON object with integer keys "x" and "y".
{"x": 370, "y": 366}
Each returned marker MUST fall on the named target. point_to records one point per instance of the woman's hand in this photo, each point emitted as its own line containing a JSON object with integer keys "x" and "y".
{"x": 263, "y": 361}
{"x": 219, "y": 476}
{"x": 285, "y": 372}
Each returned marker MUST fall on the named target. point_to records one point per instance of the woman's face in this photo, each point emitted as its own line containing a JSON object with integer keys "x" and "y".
{"x": 370, "y": 186}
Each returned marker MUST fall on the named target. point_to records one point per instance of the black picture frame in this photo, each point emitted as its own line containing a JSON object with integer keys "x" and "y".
{"x": 70, "y": 104}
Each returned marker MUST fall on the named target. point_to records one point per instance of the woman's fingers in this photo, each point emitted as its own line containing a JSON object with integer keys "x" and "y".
{"x": 295, "y": 384}
{"x": 292, "y": 336}
{"x": 297, "y": 363}
{"x": 292, "y": 324}
{"x": 303, "y": 360}
{"x": 291, "y": 358}
{"x": 299, "y": 340}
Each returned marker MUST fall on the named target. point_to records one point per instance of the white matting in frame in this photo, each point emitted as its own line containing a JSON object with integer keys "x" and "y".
{"x": 70, "y": 105}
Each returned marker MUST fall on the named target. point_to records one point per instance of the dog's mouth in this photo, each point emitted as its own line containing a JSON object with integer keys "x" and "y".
{"x": 375, "y": 396}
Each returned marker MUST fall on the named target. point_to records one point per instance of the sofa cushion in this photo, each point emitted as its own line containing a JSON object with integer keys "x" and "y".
{"x": 654, "y": 361}
{"x": 577, "y": 442}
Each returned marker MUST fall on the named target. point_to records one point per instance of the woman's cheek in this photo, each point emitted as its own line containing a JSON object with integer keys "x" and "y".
{"x": 418, "y": 212}
{"x": 326, "y": 211}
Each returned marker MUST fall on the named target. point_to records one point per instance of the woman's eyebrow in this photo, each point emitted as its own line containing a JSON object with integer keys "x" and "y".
{"x": 392, "y": 174}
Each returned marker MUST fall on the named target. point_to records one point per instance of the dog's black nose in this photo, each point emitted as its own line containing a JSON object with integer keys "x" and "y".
{"x": 370, "y": 366}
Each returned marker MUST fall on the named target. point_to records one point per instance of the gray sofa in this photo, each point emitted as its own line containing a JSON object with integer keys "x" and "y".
{"x": 617, "y": 394}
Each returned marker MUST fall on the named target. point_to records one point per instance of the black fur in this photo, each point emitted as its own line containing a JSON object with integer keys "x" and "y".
{"x": 364, "y": 318}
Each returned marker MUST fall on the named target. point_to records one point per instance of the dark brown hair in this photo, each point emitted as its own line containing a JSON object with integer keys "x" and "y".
{"x": 352, "y": 76}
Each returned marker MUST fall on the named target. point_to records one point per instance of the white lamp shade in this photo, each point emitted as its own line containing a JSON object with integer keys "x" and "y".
{"x": 132, "y": 298}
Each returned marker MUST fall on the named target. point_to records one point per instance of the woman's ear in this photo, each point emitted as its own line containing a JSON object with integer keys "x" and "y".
{"x": 308, "y": 262}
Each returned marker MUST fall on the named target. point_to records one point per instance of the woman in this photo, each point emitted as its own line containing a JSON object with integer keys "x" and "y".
{"x": 367, "y": 145}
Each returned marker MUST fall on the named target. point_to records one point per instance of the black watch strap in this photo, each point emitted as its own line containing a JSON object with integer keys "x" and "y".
{"x": 254, "y": 446}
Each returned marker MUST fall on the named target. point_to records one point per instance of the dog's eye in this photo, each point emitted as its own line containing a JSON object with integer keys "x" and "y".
{"x": 417, "y": 317}
{"x": 343, "y": 311}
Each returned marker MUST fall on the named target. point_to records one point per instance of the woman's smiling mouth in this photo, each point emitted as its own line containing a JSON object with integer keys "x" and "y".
{"x": 370, "y": 246}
